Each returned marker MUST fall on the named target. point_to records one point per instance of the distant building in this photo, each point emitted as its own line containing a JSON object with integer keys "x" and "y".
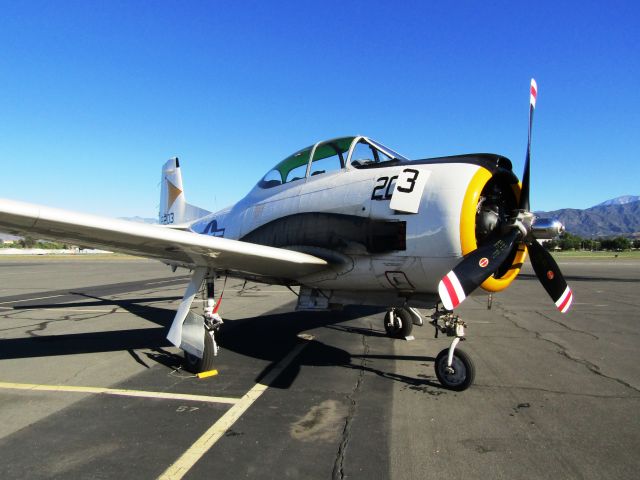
{"x": 6, "y": 239}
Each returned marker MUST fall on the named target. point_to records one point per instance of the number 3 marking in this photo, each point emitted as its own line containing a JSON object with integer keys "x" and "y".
{"x": 411, "y": 180}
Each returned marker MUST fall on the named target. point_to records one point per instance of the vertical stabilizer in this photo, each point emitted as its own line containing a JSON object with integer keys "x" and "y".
{"x": 173, "y": 207}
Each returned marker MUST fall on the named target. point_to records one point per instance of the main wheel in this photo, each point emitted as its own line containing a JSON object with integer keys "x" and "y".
{"x": 204, "y": 364}
{"x": 401, "y": 324}
{"x": 463, "y": 370}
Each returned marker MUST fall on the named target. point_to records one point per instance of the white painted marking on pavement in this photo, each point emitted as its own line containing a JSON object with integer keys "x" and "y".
{"x": 117, "y": 391}
{"x": 166, "y": 281}
{"x": 72, "y": 310}
{"x": 31, "y": 299}
{"x": 189, "y": 458}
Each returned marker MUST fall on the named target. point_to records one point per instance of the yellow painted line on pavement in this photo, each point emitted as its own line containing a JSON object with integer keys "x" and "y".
{"x": 117, "y": 391}
{"x": 201, "y": 446}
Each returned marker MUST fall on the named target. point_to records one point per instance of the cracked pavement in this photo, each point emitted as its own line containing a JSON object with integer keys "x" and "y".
{"x": 555, "y": 396}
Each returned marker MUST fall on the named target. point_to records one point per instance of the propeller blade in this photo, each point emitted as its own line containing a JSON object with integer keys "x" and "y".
{"x": 474, "y": 269}
{"x": 550, "y": 276}
{"x": 524, "y": 193}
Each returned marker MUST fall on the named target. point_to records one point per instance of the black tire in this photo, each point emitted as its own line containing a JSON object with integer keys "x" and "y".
{"x": 464, "y": 371}
{"x": 402, "y": 323}
{"x": 204, "y": 364}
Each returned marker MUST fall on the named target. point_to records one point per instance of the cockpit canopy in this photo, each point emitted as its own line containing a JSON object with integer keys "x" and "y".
{"x": 330, "y": 156}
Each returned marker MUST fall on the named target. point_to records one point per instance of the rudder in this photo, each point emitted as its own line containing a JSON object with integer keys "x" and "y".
{"x": 173, "y": 207}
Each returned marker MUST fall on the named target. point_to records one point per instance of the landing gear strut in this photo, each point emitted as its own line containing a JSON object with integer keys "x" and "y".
{"x": 194, "y": 333}
{"x": 453, "y": 366}
{"x": 212, "y": 323}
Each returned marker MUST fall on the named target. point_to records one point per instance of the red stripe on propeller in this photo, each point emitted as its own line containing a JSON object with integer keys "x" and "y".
{"x": 451, "y": 291}
{"x": 563, "y": 307}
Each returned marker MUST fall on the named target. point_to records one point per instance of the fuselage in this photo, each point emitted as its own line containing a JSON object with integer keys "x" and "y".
{"x": 345, "y": 216}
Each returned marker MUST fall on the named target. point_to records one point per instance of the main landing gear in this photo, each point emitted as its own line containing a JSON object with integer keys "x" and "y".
{"x": 399, "y": 322}
{"x": 212, "y": 323}
{"x": 195, "y": 334}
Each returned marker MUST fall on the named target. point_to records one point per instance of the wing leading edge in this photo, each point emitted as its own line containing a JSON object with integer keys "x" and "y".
{"x": 153, "y": 241}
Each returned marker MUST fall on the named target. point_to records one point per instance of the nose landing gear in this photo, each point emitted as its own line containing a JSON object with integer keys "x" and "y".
{"x": 453, "y": 366}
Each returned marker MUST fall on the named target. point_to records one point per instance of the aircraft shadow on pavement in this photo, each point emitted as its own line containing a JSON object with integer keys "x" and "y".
{"x": 271, "y": 337}
{"x": 43, "y": 345}
{"x": 267, "y": 337}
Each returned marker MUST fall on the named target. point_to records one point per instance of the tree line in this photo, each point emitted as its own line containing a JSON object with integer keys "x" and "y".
{"x": 568, "y": 241}
{"x": 30, "y": 242}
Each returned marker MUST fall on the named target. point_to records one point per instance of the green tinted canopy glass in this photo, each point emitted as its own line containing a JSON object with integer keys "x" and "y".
{"x": 332, "y": 147}
{"x": 294, "y": 166}
{"x": 293, "y": 161}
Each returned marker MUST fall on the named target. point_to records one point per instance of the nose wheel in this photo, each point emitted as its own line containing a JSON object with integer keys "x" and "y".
{"x": 457, "y": 376}
{"x": 453, "y": 366}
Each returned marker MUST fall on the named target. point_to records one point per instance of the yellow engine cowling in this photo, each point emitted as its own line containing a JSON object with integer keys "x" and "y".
{"x": 468, "y": 237}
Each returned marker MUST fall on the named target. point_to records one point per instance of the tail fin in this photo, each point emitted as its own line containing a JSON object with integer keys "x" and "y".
{"x": 173, "y": 207}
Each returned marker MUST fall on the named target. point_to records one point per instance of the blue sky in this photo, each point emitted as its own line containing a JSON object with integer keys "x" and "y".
{"x": 95, "y": 96}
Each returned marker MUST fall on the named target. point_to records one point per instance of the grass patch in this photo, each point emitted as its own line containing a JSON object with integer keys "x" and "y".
{"x": 632, "y": 254}
{"x": 104, "y": 257}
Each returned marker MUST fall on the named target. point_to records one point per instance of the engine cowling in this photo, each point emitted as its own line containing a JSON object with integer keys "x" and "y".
{"x": 489, "y": 201}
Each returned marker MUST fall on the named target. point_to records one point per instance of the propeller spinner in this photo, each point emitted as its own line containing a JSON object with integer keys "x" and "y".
{"x": 486, "y": 260}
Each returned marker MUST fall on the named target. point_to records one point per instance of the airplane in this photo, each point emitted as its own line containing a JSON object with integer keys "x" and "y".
{"x": 350, "y": 222}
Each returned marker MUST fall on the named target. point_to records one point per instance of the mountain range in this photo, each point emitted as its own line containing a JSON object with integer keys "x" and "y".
{"x": 620, "y": 200}
{"x": 138, "y": 219}
{"x": 616, "y": 217}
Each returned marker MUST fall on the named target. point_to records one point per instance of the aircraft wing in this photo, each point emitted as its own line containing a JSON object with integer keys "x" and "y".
{"x": 154, "y": 241}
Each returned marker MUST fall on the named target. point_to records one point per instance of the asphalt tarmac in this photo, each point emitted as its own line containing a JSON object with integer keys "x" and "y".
{"x": 91, "y": 388}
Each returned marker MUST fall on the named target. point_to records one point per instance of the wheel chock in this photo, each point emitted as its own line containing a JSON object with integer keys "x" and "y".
{"x": 208, "y": 373}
